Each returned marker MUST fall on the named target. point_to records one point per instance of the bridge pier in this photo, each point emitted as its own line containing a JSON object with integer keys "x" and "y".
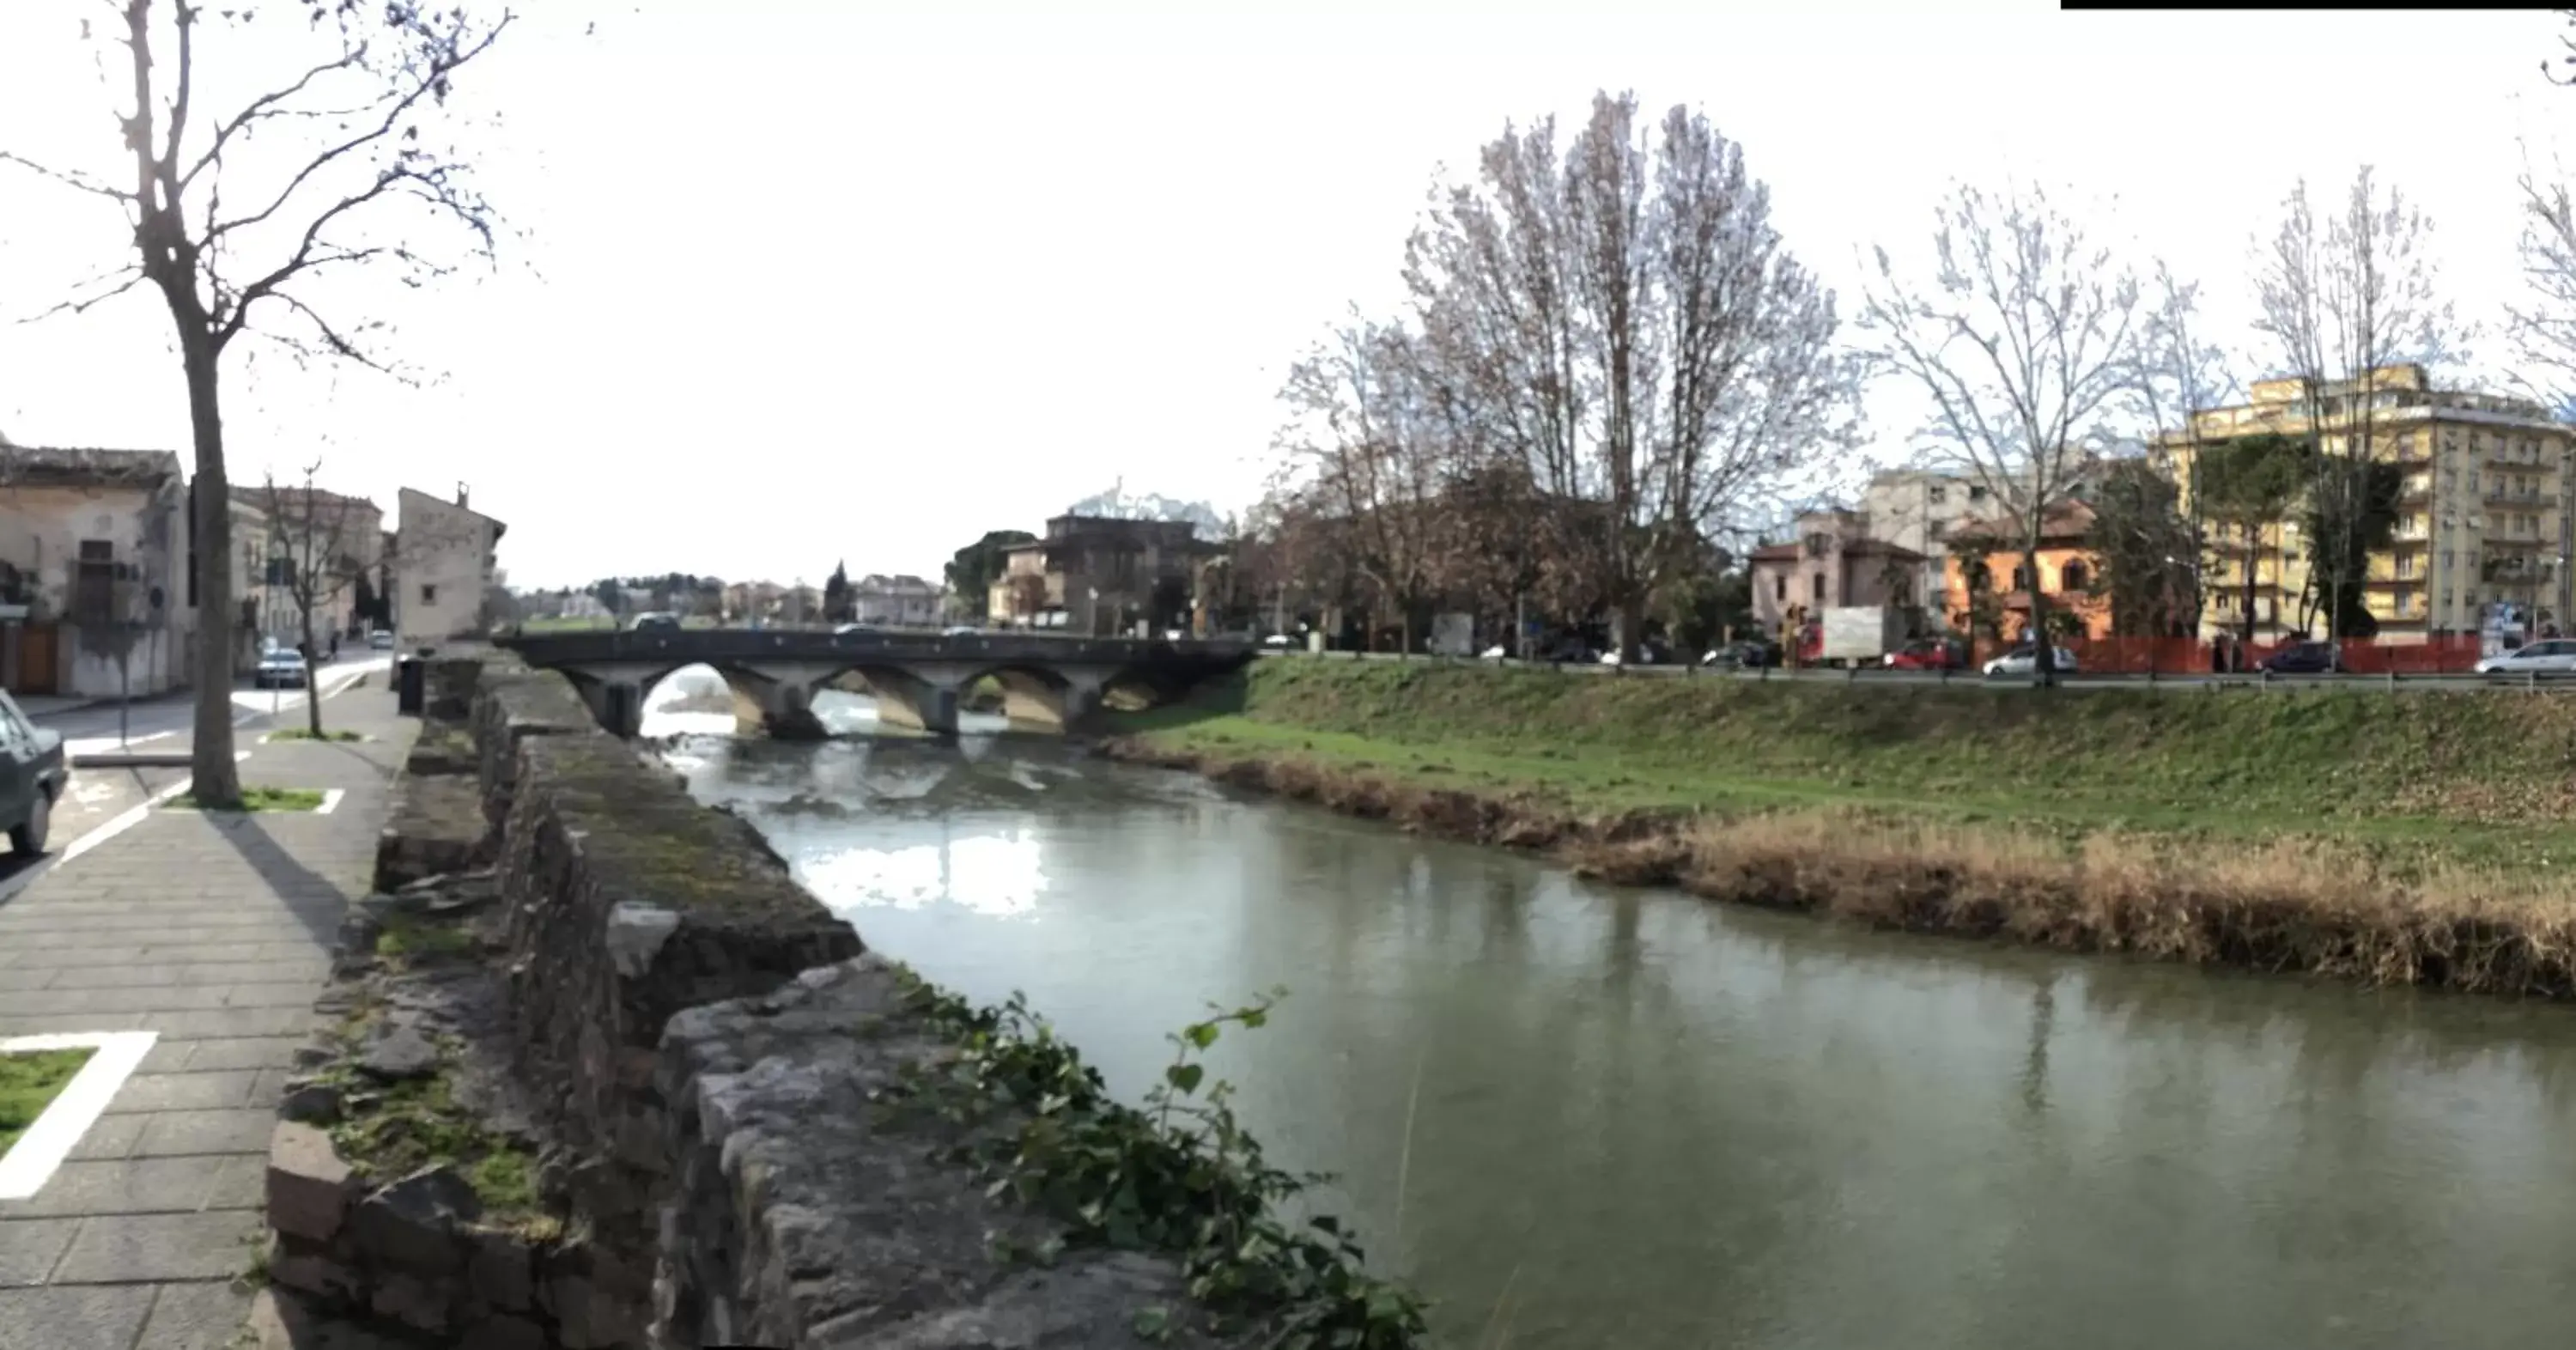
{"x": 618, "y": 704}
{"x": 919, "y": 705}
{"x": 787, "y": 713}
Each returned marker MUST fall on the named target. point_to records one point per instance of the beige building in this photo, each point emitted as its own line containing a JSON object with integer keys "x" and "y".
{"x": 306, "y": 543}
{"x": 902, "y": 601}
{"x": 444, "y": 562}
{"x": 1837, "y": 560}
{"x": 2483, "y": 515}
{"x": 96, "y": 594}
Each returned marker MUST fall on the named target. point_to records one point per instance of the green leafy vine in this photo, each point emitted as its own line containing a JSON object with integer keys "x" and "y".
{"x": 1179, "y": 1176}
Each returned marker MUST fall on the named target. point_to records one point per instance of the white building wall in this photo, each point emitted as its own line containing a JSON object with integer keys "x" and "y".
{"x": 443, "y": 559}
{"x": 41, "y": 533}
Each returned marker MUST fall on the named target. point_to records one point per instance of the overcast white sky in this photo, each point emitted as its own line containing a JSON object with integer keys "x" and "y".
{"x": 817, "y": 281}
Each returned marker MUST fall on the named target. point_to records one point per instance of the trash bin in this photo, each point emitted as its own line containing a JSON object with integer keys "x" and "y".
{"x": 409, "y": 674}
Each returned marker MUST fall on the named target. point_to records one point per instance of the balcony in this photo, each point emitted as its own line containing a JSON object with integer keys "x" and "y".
{"x": 2393, "y": 583}
{"x": 2496, "y": 496}
{"x": 2415, "y": 491}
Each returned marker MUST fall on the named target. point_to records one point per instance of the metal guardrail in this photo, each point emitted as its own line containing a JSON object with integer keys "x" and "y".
{"x": 2531, "y": 680}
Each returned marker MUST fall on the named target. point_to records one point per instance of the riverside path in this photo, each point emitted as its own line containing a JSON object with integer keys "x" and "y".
{"x": 211, "y": 935}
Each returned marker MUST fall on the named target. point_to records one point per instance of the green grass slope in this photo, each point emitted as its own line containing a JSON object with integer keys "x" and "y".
{"x": 2490, "y": 775}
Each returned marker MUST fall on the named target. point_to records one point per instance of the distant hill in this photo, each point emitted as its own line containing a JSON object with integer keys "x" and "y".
{"x": 1119, "y": 504}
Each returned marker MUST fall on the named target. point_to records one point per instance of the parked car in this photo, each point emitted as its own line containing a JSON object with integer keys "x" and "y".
{"x": 1750, "y": 654}
{"x": 848, "y": 628}
{"x": 2555, "y": 656}
{"x": 2306, "y": 658}
{"x": 381, "y": 639}
{"x": 32, "y": 773}
{"x": 281, "y": 668}
{"x": 1279, "y": 642}
{"x": 656, "y": 623}
{"x": 969, "y": 630}
{"x": 1926, "y": 656}
{"x": 2024, "y": 660}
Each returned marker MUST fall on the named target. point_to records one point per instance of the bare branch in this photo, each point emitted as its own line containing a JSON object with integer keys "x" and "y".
{"x": 273, "y": 104}
{"x": 82, "y": 304}
{"x": 67, "y": 178}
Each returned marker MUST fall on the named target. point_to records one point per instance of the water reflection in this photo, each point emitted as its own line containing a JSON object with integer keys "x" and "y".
{"x": 1599, "y": 1117}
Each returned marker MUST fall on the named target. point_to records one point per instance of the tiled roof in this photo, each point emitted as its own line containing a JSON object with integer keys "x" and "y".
{"x": 43, "y": 466}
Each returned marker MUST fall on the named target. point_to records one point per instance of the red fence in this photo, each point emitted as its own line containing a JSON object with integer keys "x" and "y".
{"x": 2184, "y": 656}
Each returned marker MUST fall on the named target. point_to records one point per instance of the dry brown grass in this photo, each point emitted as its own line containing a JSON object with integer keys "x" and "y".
{"x": 2293, "y": 906}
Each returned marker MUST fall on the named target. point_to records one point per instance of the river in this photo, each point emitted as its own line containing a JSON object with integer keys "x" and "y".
{"x": 1583, "y": 1116}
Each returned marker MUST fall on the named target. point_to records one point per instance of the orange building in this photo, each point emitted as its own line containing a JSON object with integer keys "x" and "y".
{"x": 2067, "y": 571}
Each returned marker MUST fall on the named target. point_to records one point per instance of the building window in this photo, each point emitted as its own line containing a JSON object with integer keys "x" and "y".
{"x": 428, "y": 593}
{"x": 1938, "y": 494}
{"x": 94, "y": 583}
{"x": 1976, "y": 494}
{"x": 1780, "y": 587}
{"x": 2021, "y": 577}
{"x": 2071, "y": 577}
{"x": 1816, "y": 585}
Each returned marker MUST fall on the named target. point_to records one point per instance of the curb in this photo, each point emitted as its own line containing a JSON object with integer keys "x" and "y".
{"x": 134, "y": 759}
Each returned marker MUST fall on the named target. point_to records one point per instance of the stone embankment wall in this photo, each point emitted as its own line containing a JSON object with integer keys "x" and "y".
{"x": 704, "y": 1044}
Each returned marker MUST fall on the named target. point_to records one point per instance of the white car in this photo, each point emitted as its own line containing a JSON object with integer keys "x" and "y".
{"x": 281, "y": 668}
{"x": 2025, "y": 661}
{"x": 2556, "y": 656}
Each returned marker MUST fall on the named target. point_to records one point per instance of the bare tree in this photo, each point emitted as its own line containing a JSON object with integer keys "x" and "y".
{"x": 315, "y": 557}
{"x": 2176, "y": 377}
{"x": 2342, "y": 299}
{"x": 2023, "y": 340}
{"x": 2544, "y": 325}
{"x": 1627, "y": 322}
{"x": 231, "y": 239}
{"x": 1368, "y": 443}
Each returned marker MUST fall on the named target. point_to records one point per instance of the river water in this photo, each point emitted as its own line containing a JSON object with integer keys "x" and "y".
{"x": 1580, "y": 1116}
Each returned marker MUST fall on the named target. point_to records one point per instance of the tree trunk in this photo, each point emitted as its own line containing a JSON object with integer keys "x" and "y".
{"x": 2043, "y": 650}
{"x": 312, "y": 670}
{"x": 215, "y": 777}
{"x": 2252, "y": 542}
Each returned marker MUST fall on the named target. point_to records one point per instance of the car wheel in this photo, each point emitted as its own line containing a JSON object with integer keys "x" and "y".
{"x": 27, "y": 839}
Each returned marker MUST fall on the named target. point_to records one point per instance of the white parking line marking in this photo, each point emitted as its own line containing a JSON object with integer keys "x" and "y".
{"x": 30, "y": 1163}
{"x": 330, "y": 800}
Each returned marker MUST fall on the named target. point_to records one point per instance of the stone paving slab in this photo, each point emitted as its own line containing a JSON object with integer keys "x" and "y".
{"x": 214, "y": 932}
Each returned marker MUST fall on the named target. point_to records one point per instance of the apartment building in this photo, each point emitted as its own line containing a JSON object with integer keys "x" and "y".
{"x": 2484, "y": 516}
{"x": 1920, "y": 510}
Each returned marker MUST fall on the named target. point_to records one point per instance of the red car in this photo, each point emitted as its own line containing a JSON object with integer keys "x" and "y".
{"x": 1925, "y": 656}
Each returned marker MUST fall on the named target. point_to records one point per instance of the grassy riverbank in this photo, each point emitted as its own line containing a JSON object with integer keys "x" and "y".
{"x": 2409, "y": 837}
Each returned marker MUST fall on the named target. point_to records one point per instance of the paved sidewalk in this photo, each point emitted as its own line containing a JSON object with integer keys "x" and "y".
{"x": 214, "y": 932}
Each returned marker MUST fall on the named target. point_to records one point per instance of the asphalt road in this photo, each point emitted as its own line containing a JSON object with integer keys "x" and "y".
{"x": 164, "y": 723}
{"x": 96, "y": 796}
{"x": 1970, "y": 679}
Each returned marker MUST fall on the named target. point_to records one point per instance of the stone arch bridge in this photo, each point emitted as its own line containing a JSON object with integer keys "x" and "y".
{"x": 919, "y": 678}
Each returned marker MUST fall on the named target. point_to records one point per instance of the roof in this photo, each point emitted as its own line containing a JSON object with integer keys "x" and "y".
{"x": 2070, "y": 520}
{"x": 42, "y": 466}
{"x": 875, "y": 581}
{"x": 1863, "y": 548}
{"x": 260, "y": 496}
